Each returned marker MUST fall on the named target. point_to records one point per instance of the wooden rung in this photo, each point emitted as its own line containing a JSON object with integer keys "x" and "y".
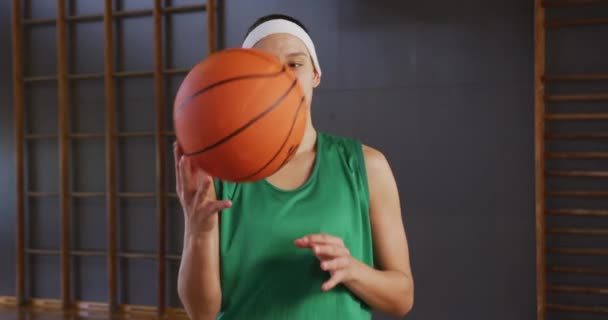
{"x": 176, "y": 71}
{"x": 135, "y": 134}
{"x": 577, "y": 116}
{"x": 52, "y": 304}
{"x": 577, "y": 77}
{"x": 578, "y": 251}
{"x": 30, "y": 22}
{"x": 577, "y": 136}
{"x": 578, "y": 174}
{"x": 577, "y": 194}
{"x": 173, "y": 257}
{"x": 86, "y": 135}
{"x": 576, "y": 22}
{"x": 88, "y": 194}
{"x": 578, "y": 270}
{"x": 579, "y": 231}
{"x": 136, "y": 195}
{"x": 136, "y": 255}
{"x": 186, "y": 8}
{"x": 88, "y": 253}
{"x": 85, "y": 76}
{"x": 171, "y": 195}
{"x": 8, "y": 301}
{"x": 41, "y": 136}
{"x": 131, "y": 74}
{"x": 117, "y": 14}
{"x": 85, "y": 18}
{"x": 174, "y": 313}
{"x": 40, "y": 79}
{"x": 91, "y": 306}
{"x": 80, "y": 18}
{"x": 577, "y": 309}
{"x": 577, "y": 97}
{"x": 132, "y": 13}
{"x": 577, "y": 155}
{"x": 169, "y": 133}
{"x": 578, "y": 212}
{"x": 577, "y": 289}
{"x": 562, "y": 3}
{"x": 138, "y": 310}
{"x": 44, "y": 252}
{"x": 39, "y": 194}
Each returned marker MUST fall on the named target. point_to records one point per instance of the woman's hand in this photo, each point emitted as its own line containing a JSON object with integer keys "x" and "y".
{"x": 334, "y": 257}
{"x": 192, "y": 187}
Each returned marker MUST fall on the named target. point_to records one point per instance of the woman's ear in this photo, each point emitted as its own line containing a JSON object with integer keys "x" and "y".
{"x": 316, "y": 79}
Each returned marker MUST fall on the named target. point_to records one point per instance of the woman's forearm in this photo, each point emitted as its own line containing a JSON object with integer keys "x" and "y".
{"x": 199, "y": 277}
{"x": 388, "y": 291}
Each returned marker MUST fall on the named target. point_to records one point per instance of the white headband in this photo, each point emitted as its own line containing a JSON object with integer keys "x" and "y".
{"x": 282, "y": 26}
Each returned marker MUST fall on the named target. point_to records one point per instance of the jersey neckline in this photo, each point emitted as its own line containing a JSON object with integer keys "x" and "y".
{"x": 313, "y": 174}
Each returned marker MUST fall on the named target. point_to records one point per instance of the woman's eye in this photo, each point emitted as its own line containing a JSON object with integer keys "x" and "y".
{"x": 294, "y": 65}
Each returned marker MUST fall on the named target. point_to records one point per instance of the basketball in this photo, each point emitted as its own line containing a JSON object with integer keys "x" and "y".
{"x": 240, "y": 114}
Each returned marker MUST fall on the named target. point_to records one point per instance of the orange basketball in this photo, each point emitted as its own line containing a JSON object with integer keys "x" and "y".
{"x": 240, "y": 114}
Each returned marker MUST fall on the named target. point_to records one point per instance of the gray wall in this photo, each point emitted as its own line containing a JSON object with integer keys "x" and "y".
{"x": 451, "y": 84}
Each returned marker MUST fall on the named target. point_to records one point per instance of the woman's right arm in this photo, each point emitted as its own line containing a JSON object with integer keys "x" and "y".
{"x": 199, "y": 275}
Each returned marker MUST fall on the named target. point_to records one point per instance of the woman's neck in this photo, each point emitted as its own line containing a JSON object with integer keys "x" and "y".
{"x": 309, "y": 140}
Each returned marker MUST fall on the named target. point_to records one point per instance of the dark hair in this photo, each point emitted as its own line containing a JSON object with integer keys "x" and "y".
{"x": 273, "y": 17}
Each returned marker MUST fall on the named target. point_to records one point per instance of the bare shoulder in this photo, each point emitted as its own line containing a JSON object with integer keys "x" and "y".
{"x": 381, "y": 182}
{"x": 376, "y": 163}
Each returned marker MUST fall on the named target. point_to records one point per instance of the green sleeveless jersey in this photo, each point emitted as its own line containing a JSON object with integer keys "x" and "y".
{"x": 263, "y": 274}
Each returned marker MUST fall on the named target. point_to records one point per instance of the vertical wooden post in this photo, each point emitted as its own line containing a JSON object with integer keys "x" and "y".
{"x": 64, "y": 201}
{"x": 211, "y": 25}
{"x": 19, "y": 140}
{"x": 539, "y": 155}
{"x": 160, "y": 151}
{"x": 110, "y": 138}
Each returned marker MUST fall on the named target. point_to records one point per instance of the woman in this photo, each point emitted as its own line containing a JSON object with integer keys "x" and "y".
{"x": 322, "y": 238}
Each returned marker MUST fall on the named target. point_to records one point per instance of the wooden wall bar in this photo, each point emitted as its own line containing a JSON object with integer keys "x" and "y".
{"x": 159, "y": 139}
{"x": 63, "y": 143}
{"x": 19, "y": 153}
{"x": 110, "y": 147}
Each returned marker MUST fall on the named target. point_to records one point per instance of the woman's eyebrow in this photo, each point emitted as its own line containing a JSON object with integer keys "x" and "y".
{"x": 300, "y": 53}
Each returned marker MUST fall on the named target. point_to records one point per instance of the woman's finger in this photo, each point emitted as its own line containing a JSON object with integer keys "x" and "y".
{"x": 320, "y": 238}
{"x": 177, "y": 154}
{"x": 216, "y": 206}
{"x": 190, "y": 174}
{"x": 334, "y": 280}
{"x": 335, "y": 264}
{"x": 202, "y": 185}
{"x": 329, "y": 251}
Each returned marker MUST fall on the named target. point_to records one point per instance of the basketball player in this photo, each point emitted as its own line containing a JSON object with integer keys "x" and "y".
{"x": 322, "y": 238}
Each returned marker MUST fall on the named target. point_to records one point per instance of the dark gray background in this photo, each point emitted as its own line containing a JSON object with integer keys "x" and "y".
{"x": 450, "y": 82}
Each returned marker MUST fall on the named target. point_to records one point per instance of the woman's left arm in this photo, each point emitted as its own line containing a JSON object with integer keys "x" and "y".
{"x": 390, "y": 287}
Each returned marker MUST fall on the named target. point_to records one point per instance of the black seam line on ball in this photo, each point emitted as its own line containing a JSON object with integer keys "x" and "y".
{"x": 248, "y": 124}
{"x": 293, "y": 124}
{"x": 221, "y": 82}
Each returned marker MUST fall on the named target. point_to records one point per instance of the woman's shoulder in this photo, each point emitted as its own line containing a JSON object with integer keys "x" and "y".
{"x": 367, "y": 159}
{"x": 372, "y": 156}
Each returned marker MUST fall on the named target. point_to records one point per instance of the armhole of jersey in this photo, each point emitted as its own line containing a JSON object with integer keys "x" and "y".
{"x": 363, "y": 172}
{"x": 219, "y": 192}
{"x": 224, "y": 190}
